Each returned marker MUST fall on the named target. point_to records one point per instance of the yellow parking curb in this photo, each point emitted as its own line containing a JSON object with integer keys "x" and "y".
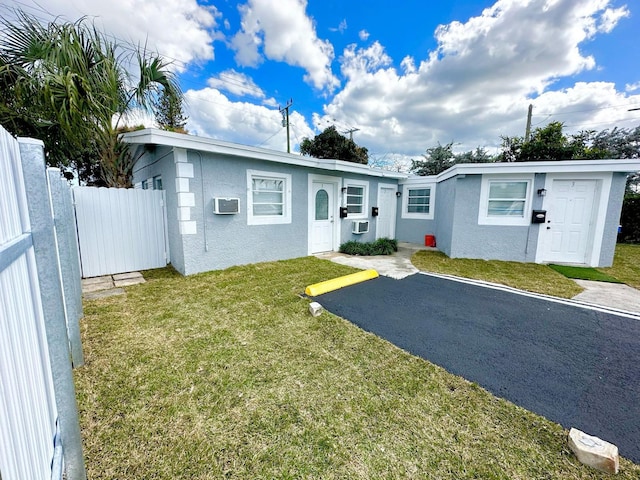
{"x": 336, "y": 283}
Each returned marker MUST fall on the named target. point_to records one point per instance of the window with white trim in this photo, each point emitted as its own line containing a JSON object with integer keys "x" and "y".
{"x": 505, "y": 201}
{"x": 356, "y": 198}
{"x": 417, "y": 201}
{"x": 268, "y": 198}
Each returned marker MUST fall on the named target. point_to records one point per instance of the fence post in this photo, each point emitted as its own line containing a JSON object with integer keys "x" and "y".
{"x": 67, "y": 246}
{"x": 32, "y": 153}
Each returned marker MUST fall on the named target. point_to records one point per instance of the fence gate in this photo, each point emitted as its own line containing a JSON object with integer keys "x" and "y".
{"x": 120, "y": 230}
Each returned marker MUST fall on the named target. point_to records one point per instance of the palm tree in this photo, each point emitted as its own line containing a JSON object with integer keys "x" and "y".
{"x": 68, "y": 81}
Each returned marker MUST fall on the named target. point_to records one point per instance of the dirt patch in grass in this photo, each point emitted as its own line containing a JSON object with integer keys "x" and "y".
{"x": 226, "y": 375}
{"x": 531, "y": 277}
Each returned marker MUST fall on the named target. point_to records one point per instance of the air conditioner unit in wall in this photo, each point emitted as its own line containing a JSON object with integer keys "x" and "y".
{"x": 226, "y": 206}
{"x": 360, "y": 226}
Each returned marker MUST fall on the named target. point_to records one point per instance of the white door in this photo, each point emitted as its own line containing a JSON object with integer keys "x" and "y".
{"x": 568, "y": 231}
{"x": 322, "y": 221}
{"x": 386, "y": 221}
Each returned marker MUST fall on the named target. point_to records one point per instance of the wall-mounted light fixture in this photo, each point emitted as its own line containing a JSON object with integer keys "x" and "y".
{"x": 542, "y": 192}
{"x": 398, "y": 194}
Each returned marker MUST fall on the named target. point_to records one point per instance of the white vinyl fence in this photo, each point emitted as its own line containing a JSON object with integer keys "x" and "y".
{"x": 120, "y": 230}
{"x": 39, "y": 429}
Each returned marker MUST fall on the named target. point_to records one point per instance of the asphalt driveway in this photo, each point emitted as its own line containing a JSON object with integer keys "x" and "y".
{"x": 575, "y": 366}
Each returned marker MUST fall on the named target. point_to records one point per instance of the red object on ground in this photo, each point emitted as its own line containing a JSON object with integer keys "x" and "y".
{"x": 429, "y": 241}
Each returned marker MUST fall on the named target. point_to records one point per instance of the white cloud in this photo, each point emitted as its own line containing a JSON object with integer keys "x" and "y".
{"x": 611, "y": 17}
{"x": 284, "y": 34}
{"x": 364, "y": 35}
{"x": 340, "y": 28}
{"x": 192, "y": 26}
{"x": 239, "y": 84}
{"x": 632, "y": 87}
{"x": 241, "y": 122}
{"x": 476, "y": 85}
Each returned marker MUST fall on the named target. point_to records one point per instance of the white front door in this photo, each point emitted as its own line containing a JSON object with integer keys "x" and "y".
{"x": 567, "y": 235}
{"x": 387, "y": 204}
{"x": 322, "y": 220}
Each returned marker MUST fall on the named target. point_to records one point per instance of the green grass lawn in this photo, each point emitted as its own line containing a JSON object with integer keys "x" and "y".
{"x": 626, "y": 265}
{"x": 584, "y": 273}
{"x": 525, "y": 276}
{"x": 226, "y": 375}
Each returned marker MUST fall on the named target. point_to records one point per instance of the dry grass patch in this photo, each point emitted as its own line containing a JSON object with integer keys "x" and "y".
{"x": 226, "y": 375}
{"x": 531, "y": 277}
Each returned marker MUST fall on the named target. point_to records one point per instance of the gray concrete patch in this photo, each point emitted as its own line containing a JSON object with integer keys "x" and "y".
{"x": 92, "y": 288}
{"x": 96, "y": 284}
{"x": 103, "y": 293}
{"x": 128, "y": 281}
{"x": 615, "y": 295}
{"x": 395, "y": 266}
{"x": 128, "y": 276}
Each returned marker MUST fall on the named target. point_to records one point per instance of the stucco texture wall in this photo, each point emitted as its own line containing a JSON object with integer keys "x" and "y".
{"x": 495, "y": 242}
{"x": 413, "y": 230}
{"x": 222, "y": 241}
{"x": 614, "y": 208}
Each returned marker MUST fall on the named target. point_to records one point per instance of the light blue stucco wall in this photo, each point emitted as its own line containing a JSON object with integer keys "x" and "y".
{"x": 495, "y": 242}
{"x": 614, "y": 208}
{"x": 160, "y": 161}
{"x": 445, "y": 214}
{"x": 413, "y": 230}
{"x": 346, "y": 223}
{"x": 221, "y": 241}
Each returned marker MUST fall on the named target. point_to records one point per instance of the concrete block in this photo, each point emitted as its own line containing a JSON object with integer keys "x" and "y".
{"x": 315, "y": 309}
{"x": 594, "y": 452}
{"x": 127, "y": 276}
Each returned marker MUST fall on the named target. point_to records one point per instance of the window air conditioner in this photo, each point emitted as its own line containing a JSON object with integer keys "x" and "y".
{"x": 226, "y": 206}
{"x": 360, "y": 226}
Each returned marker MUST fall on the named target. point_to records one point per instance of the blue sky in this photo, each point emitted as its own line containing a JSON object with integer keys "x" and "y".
{"x": 407, "y": 74}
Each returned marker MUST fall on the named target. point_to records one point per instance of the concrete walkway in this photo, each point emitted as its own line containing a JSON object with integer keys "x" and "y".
{"x": 398, "y": 266}
{"x": 109, "y": 285}
{"x": 395, "y": 266}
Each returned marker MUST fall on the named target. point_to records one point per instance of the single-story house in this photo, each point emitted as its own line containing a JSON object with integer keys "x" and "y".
{"x": 230, "y": 204}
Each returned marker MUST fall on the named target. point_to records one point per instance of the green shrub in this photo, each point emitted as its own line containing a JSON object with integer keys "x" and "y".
{"x": 630, "y": 220}
{"x": 382, "y": 246}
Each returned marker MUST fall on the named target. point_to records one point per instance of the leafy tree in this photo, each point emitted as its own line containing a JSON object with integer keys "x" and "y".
{"x": 168, "y": 111}
{"x": 67, "y": 84}
{"x": 331, "y": 144}
{"x": 438, "y": 159}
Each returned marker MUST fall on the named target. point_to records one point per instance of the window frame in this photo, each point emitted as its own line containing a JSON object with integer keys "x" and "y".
{"x": 483, "y": 213}
{"x": 286, "y": 198}
{"x": 405, "y": 201}
{"x": 365, "y": 197}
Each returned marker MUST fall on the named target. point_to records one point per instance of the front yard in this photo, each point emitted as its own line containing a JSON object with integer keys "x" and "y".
{"x": 226, "y": 375}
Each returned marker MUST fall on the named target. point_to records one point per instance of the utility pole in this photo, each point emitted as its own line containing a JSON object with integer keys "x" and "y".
{"x": 285, "y": 121}
{"x": 350, "y": 132}
{"x": 527, "y": 133}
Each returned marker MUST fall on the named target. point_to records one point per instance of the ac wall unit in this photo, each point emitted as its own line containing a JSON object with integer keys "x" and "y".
{"x": 360, "y": 226}
{"x": 226, "y": 206}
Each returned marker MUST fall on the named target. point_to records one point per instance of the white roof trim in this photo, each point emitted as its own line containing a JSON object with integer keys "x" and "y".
{"x": 161, "y": 137}
{"x": 564, "y": 166}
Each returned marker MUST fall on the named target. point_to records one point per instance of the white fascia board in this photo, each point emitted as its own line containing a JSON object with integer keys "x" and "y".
{"x": 154, "y": 136}
{"x": 560, "y": 166}
{"x": 418, "y": 180}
